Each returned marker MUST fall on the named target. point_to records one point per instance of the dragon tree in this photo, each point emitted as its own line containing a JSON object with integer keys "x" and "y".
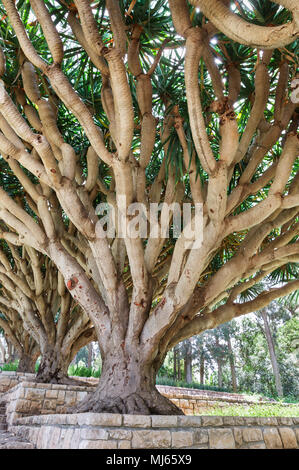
{"x": 38, "y": 314}
{"x": 160, "y": 104}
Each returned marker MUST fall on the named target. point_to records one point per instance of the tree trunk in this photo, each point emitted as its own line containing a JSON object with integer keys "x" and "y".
{"x": 219, "y": 364}
{"x": 179, "y": 375}
{"x": 27, "y": 364}
{"x": 174, "y": 363}
{"x": 272, "y": 354}
{"x": 232, "y": 365}
{"x": 202, "y": 369}
{"x": 188, "y": 362}
{"x": 11, "y": 352}
{"x": 127, "y": 385}
{"x": 2, "y": 350}
{"x": 53, "y": 367}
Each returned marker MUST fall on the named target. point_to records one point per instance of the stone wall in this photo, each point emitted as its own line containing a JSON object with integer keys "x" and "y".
{"x": 9, "y": 379}
{"x": 29, "y": 398}
{"x": 115, "y": 431}
{"x": 26, "y": 397}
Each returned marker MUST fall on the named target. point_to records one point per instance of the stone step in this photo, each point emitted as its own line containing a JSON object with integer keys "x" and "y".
{"x": 11, "y": 443}
{"x": 2, "y": 419}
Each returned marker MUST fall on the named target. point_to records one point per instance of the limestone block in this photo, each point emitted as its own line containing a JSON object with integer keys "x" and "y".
{"x": 68, "y": 437}
{"x": 53, "y": 437}
{"x": 288, "y": 438}
{"x": 184, "y": 403}
{"x": 99, "y": 419}
{"x": 138, "y": 421}
{"x": 72, "y": 419}
{"x": 201, "y": 436}
{"x": 238, "y": 435}
{"x": 252, "y": 421}
{"x": 238, "y": 421}
{"x": 98, "y": 445}
{"x": 120, "y": 434}
{"x": 286, "y": 421}
{"x": 221, "y": 439}
{"x": 43, "y": 437}
{"x": 151, "y": 439}
{"x": 34, "y": 394}
{"x": 212, "y": 421}
{"x": 164, "y": 421}
{"x": 51, "y": 394}
{"x": 74, "y": 444}
{"x": 189, "y": 421}
{"x": 35, "y": 406}
{"x": 272, "y": 439}
{"x": 181, "y": 439}
{"x": 49, "y": 405}
{"x": 269, "y": 421}
{"x": 60, "y": 397}
{"x": 93, "y": 433}
{"x": 41, "y": 386}
{"x": 22, "y": 406}
{"x": 229, "y": 420}
{"x": 252, "y": 434}
{"x": 256, "y": 445}
{"x": 124, "y": 445}
{"x": 81, "y": 395}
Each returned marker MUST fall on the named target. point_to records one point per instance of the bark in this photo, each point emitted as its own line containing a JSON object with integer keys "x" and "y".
{"x": 53, "y": 367}
{"x": 202, "y": 369}
{"x": 175, "y": 368}
{"x": 188, "y": 363}
{"x": 179, "y": 374}
{"x": 27, "y": 363}
{"x": 2, "y": 351}
{"x": 272, "y": 353}
{"x": 11, "y": 353}
{"x": 232, "y": 365}
{"x": 219, "y": 366}
{"x": 127, "y": 385}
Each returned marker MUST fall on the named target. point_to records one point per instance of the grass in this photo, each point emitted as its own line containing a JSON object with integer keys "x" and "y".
{"x": 82, "y": 371}
{"x": 253, "y": 410}
{"x": 12, "y": 366}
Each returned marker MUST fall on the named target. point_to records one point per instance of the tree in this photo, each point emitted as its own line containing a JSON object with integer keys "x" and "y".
{"x": 149, "y": 117}
{"x": 25, "y": 346}
{"x": 272, "y": 353}
{"x": 188, "y": 360}
{"x": 229, "y": 330}
{"x": 38, "y": 315}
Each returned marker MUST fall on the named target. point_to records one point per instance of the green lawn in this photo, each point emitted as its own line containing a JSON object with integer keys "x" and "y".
{"x": 255, "y": 410}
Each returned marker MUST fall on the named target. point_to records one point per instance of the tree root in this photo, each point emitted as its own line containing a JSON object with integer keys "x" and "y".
{"x": 138, "y": 403}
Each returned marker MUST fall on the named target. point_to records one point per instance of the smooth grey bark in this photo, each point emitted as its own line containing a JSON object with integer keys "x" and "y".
{"x": 272, "y": 353}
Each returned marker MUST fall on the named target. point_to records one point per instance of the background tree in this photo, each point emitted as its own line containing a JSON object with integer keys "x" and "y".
{"x": 150, "y": 117}
{"x": 38, "y": 314}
